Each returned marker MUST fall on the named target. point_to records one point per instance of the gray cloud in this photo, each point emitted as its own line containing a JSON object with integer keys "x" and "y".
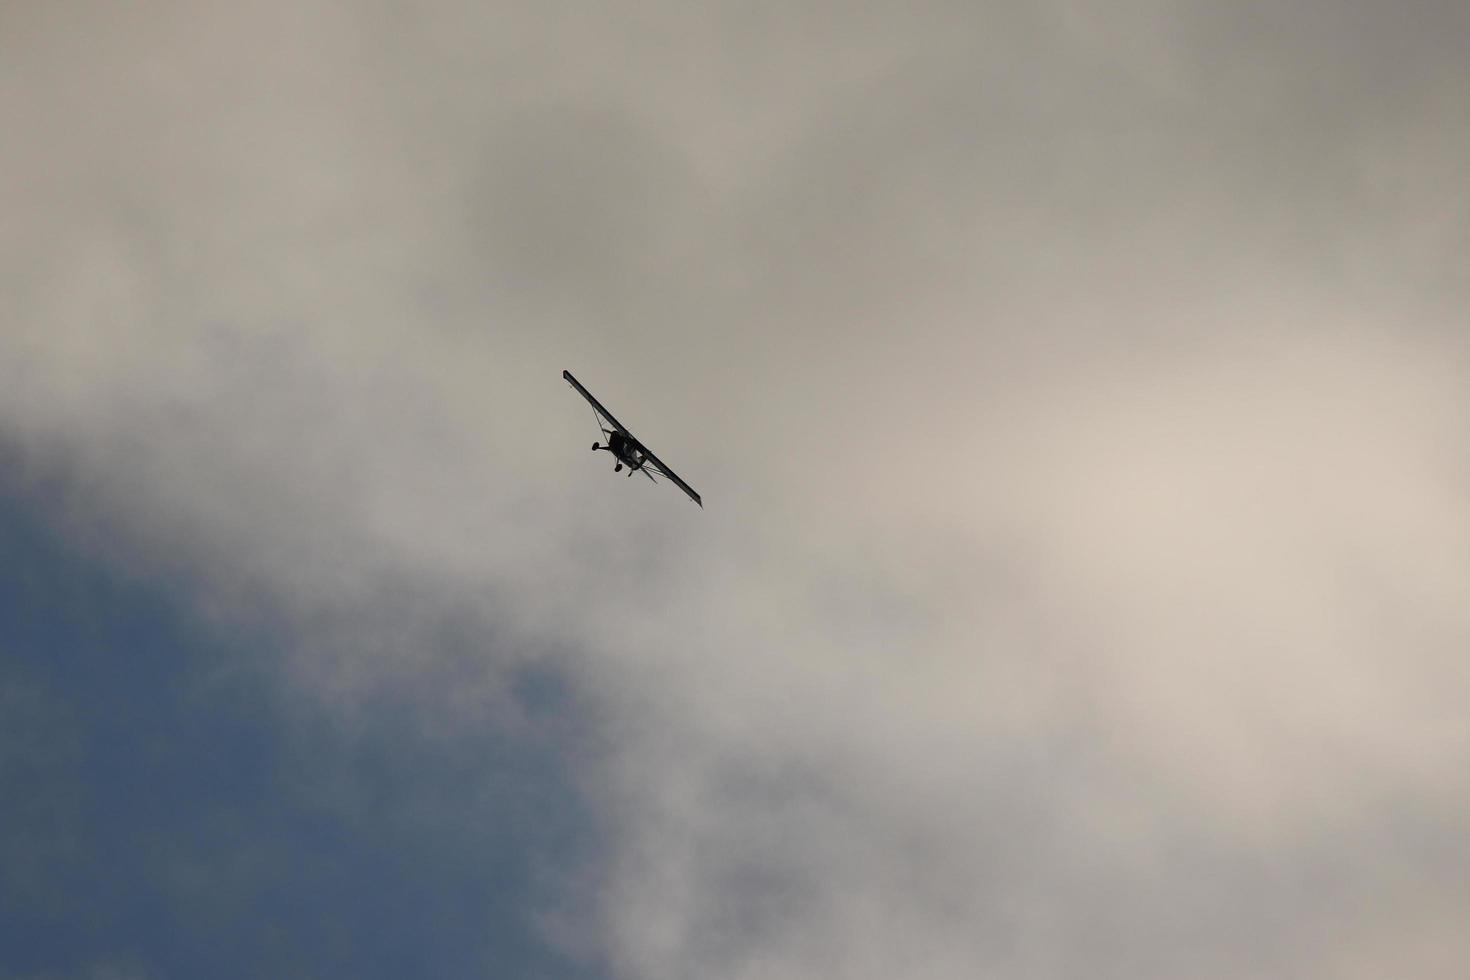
{"x": 1079, "y": 400}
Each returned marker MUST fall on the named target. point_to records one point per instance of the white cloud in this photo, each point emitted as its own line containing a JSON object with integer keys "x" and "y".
{"x": 1084, "y": 574}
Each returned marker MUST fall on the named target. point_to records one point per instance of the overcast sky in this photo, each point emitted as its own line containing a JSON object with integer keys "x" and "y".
{"x": 1079, "y": 395}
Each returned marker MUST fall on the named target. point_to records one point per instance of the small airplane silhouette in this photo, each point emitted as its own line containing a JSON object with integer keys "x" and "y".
{"x": 626, "y": 448}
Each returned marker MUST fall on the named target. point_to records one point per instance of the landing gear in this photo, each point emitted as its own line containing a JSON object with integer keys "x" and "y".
{"x": 595, "y": 447}
{"x": 619, "y": 468}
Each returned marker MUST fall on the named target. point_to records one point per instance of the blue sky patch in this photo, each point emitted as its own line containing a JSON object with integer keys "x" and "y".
{"x": 166, "y": 810}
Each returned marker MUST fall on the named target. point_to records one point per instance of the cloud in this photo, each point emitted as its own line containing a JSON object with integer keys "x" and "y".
{"x": 1078, "y": 404}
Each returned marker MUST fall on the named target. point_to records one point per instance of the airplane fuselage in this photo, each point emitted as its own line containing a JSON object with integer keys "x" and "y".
{"x": 625, "y": 450}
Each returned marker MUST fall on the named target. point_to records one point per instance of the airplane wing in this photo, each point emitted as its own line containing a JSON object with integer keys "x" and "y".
{"x": 650, "y": 460}
{"x": 596, "y": 405}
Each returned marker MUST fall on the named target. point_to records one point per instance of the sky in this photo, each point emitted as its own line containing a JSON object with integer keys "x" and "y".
{"x": 1078, "y": 396}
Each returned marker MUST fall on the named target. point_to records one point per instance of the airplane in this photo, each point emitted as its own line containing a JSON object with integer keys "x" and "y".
{"x": 626, "y": 448}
